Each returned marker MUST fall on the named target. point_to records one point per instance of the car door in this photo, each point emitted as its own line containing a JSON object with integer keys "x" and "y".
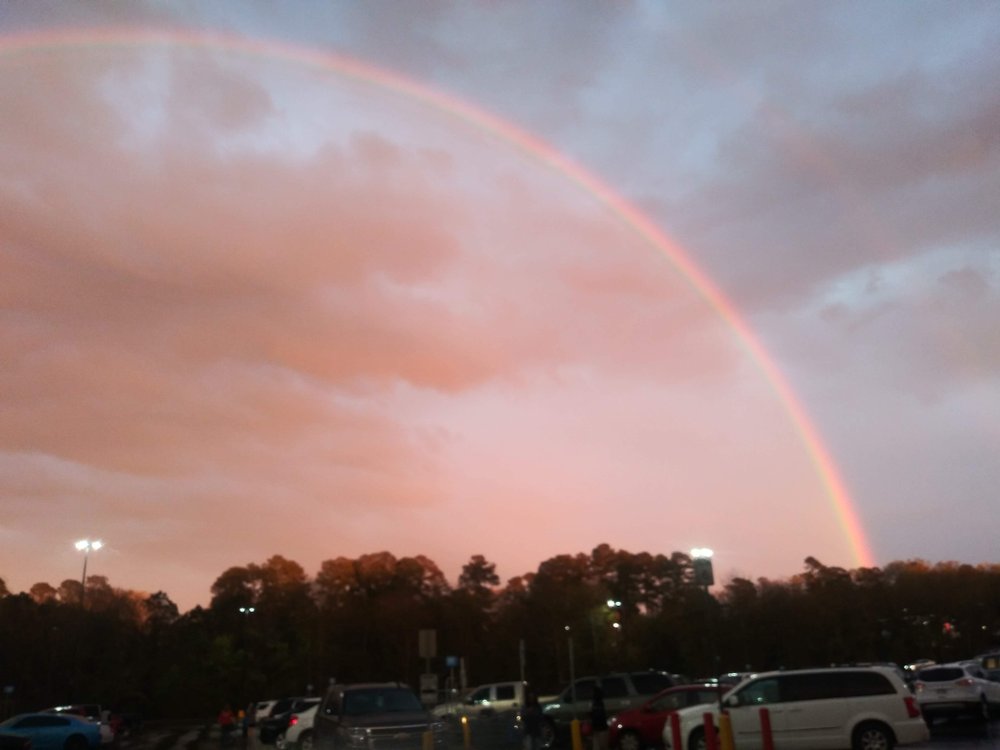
{"x": 744, "y": 708}
{"x": 46, "y": 732}
{"x": 815, "y": 707}
{"x": 616, "y": 695}
{"x": 653, "y": 715}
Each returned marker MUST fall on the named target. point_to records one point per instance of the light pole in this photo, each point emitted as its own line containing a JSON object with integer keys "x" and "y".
{"x": 701, "y": 561}
{"x": 84, "y": 546}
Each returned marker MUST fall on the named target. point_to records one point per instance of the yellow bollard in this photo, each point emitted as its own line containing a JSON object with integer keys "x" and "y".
{"x": 576, "y": 734}
{"x": 725, "y": 732}
{"x": 466, "y": 733}
{"x": 427, "y": 740}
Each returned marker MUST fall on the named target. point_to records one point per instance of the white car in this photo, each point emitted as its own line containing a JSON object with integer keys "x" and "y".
{"x": 862, "y": 708}
{"x": 260, "y": 710}
{"x": 299, "y": 732}
{"x": 956, "y": 689}
{"x": 485, "y": 700}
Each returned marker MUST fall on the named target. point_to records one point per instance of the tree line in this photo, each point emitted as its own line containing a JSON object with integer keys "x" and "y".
{"x": 271, "y": 630}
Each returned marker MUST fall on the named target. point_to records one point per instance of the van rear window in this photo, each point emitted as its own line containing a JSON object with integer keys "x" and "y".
{"x": 813, "y": 686}
{"x": 940, "y": 674}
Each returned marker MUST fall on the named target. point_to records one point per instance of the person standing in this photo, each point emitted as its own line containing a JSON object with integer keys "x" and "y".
{"x": 226, "y": 723}
{"x": 531, "y": 721}
{"x": 598, "y": 719}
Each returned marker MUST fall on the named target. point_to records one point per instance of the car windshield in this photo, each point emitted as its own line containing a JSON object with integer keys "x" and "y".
{"x": 380, "y": 700}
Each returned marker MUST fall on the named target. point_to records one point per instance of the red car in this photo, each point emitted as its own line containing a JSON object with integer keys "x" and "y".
{"x": 642, "y": 727}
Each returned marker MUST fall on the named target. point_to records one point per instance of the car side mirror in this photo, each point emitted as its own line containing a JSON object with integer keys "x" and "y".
{"x": 733, "y": 701}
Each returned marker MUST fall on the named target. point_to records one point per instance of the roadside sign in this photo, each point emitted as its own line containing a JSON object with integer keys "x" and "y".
{"x": 428, "y": 644}
{"x": 428, "y": 689}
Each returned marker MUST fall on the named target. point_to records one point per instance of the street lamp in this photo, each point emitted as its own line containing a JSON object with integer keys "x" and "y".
{"x": 84, "y": 546}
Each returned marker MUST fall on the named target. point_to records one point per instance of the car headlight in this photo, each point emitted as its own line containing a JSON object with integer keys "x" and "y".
{"x": 357, "y": 736}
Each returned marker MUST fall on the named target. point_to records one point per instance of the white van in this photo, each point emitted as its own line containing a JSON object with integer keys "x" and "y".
{"x": 840, "y": 708}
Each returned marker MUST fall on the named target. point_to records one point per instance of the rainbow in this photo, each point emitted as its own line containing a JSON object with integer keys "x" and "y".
{"x": 533, "y": 147}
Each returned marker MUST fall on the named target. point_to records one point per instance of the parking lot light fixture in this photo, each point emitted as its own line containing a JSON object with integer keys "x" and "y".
{"x": 85, "y": 546}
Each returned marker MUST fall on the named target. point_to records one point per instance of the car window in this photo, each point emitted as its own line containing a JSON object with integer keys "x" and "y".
{"x": 940, "y": 674}
{"x": 650, "y": 683}
{"x": 584, "y": 689}
{"x": 867, "y": 683}
{"x": 480, "y": 696}
{"x": 505, "y": 692}
{"x": 696, "y": 697}
{"x": 614, "y": 687}
{"x": 379, "y": 701}
{"x": 34, "y": 722}
{"x": 760, "y": 692}
{"x": 669, "y": 701}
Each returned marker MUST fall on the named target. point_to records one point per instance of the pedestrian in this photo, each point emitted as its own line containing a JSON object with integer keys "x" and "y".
{"x": 598, "y": 719}
{"x": 531, "y": 721}
{"x": 226, "y": 724}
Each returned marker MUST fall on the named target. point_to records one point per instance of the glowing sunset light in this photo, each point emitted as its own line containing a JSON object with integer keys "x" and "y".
{"x": 317, "y": 288}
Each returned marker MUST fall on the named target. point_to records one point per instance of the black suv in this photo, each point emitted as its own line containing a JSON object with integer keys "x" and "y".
{"x": 371, "y": 716}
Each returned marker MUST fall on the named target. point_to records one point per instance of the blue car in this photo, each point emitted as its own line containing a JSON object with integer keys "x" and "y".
{"x": 54, "y": 731}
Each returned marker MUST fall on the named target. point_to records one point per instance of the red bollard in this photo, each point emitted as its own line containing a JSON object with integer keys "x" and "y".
{"x": 675, "y": 732}
{"x": 711, "y": 740}
{"x": 766, "y": 738}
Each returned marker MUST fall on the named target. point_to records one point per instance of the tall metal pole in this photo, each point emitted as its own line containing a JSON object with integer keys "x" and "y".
{"x": 83, "y": 582}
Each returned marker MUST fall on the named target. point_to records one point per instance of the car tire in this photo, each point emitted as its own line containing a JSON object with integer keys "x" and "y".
{"x": 696, "y": 741}
{"x": 984, "y": 711}
{"x": 872, "y": 736}
{"x": 279, "y": 742}
{"x": 548, "y": 736}
{"x": 305, "y": 741}
{"x": 76, "y": 742}
{"x": 629, "y": 740}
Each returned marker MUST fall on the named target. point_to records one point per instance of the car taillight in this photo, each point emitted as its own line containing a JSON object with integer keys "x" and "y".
{"x": 912, "y": 707}
{"x": 966, "y": 682}
{"x": 293, "y": 721}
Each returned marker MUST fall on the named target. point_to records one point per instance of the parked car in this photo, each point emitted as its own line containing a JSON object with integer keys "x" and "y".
{"x": 258, "y": 710}
{"x": 51, "y": 731}
{"x": 299, "y": 732}
{"x": 864, "y": 708}
{"x": 485, "y": 700}
{"x": 386, "y": 716}
{"x": 956, "y": 689}
{"x": 91, "y": 712}
{"x": 642, "y": 727}
{"x": 274, "y": 726}
{"x": 622, "y": 691}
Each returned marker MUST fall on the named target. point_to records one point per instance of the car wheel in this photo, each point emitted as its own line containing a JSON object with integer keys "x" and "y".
{"x": 872, "y": 737}
{"x": 548, "y": 736}
{"x": 279, "y": 742}
{"x": 76, "y": 742}
{"x": 629, "y": 741}
{"x": 697, "y": 740}
{"x": 306, "y": 741}
{"x": 984, "y": 710}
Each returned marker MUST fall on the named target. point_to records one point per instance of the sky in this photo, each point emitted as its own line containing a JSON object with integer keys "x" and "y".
{"x": 506, "y": 279}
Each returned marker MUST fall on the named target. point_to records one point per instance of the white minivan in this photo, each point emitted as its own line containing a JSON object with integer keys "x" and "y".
{"x": 837, "y": 708}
